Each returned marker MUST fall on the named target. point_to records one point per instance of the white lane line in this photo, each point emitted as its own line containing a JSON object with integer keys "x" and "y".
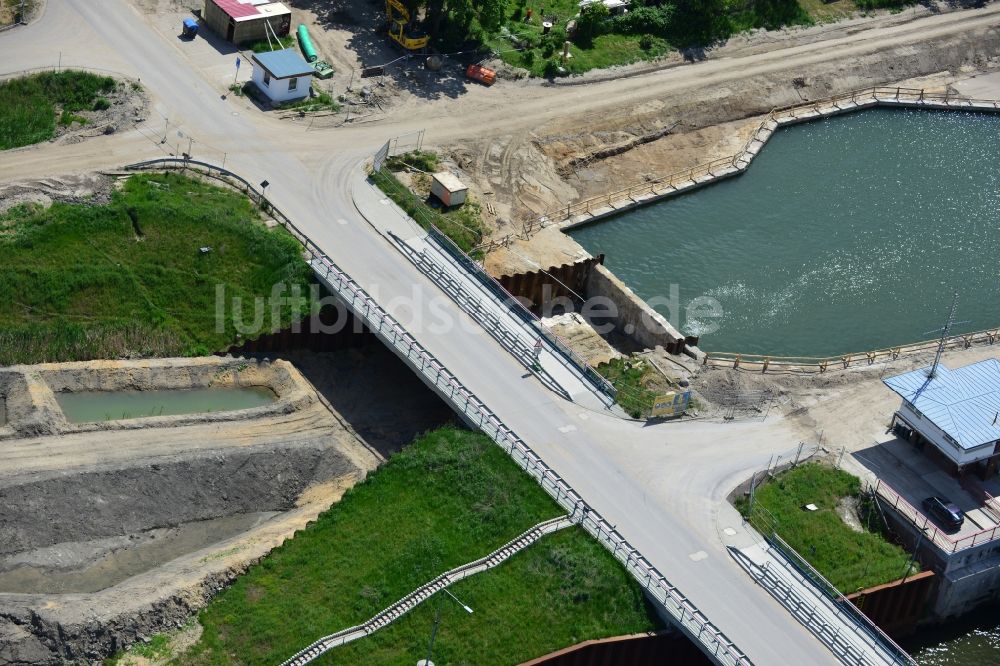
{"x": 567, "y": 428}
{"x": 697, "y": 557}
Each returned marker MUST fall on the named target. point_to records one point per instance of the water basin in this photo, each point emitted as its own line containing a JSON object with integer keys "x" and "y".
{"x": 844, "y": 235}
{"x": 88, "y": 406}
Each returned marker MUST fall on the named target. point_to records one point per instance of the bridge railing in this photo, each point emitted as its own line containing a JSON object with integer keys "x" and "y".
{"x": 684, "y": 612}
{"x": 515, "y": 306}
{"x": 694, "y": 622}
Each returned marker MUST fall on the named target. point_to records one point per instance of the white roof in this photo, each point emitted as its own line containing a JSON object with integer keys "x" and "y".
{"x": 964, "y": 402}
{"x": 449, "y": 181}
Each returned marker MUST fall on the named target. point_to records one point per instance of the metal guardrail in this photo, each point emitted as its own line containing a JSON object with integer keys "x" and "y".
{"x": 692, "y": 621}
{"x": 426, "y": 591}
{"x": 871, "y": 632}
{"x": 473, "y": 306}
{"x": 885, "y": 492}
{"x": 517, "y": 308}
{"x": 857, "y": 99}
{"x": 764, "y": 362}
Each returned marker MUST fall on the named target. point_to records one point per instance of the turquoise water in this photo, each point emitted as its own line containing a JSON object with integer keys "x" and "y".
{"x": 844, "y": 235}
{"x": 87, "y": 406}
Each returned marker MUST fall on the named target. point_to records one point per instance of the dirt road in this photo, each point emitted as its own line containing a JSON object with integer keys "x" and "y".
{"x": 968, "y": 39}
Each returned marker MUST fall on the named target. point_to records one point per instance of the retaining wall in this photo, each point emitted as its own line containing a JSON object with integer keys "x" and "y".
{"x": 898, "y": 606}
{"x": 539, "y": 288}
{"x": 966, "y": 579}
{"x": 635, "y": 318}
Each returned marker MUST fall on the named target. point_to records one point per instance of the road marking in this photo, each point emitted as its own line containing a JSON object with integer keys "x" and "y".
{"x": 384, "y": 202}
{"x": 699, "y": 556}
{"x": 567, "y": 428}
{"x": 729, "y": 531}
{"x": 341, "y": 221}
{"x": 584, "y": 416}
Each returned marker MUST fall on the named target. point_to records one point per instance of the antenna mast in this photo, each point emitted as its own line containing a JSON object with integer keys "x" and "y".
{"x": 944, "y": 336}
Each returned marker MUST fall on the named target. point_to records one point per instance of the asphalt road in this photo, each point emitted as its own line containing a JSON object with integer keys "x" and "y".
{"x": 663, "y": 486}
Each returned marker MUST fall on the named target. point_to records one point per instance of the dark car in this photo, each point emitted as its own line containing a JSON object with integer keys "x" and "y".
{"x": 945, "y": 512}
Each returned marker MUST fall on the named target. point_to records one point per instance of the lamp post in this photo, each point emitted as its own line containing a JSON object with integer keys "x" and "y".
{"x": 437, "y": 623}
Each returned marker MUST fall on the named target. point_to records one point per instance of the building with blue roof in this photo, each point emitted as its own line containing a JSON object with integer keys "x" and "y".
{"x": 955, "y": 411}
{"x": 283, "y": 75}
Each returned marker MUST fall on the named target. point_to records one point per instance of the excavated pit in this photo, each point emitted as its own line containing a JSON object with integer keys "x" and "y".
{"x": 113, "y": 530}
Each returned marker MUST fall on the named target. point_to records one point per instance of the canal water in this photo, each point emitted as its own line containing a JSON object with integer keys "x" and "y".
{"x": 87, "y": 406}
{"x": 972, "y": 641}
{"x": 844, "y": 235}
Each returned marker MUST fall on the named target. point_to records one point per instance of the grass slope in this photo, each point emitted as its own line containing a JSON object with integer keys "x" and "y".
{"x": 450, "y": 498}
{"x": 848, "y": 559}
{"x": 28, "y": 105}
{"x": 564, "y": 589}
{"x": 87, "y": 282}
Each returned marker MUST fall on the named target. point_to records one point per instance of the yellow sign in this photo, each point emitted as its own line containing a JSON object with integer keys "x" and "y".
{"x": 673, "y": 403}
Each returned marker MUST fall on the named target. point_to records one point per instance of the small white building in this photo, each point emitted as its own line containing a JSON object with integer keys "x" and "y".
{"x": 283, "y": 76}
{"x": 449, "y": 189}
{"x": 957, "y": 412}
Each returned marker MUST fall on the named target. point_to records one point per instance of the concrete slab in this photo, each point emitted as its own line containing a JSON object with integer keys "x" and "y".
{"x": 984, "y": 86}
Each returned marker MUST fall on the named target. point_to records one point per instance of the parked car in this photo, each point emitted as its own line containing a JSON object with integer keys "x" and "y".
{"x": 945, "y": 512}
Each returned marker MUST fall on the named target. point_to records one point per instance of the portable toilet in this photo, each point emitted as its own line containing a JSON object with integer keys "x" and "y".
{"x": 449, "y": 189}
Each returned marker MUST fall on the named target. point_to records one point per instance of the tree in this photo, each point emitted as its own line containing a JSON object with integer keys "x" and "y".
{"x": 459, "y": 14}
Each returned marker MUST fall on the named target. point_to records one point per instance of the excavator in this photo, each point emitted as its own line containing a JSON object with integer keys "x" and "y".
{"x": 401, "y": 29}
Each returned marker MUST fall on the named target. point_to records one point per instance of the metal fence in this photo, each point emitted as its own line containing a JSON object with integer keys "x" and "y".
{"x": 883, "y": 491}
{"x": 687, "y": 616}
{"x": 767, "y": 525}
{"x": 518, "y": 309}
{"x": 731, "y": 164}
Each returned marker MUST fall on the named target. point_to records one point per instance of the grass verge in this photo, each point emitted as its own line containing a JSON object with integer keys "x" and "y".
{"x": 322, "y": 101}
{"x": 849, "y": 559}
{"x": 637, "y": 382}
{"x": 128, "y": 278}
{"x": 462, "y": 224}
{"x": 30, "y": 105}
{"x": 451, "y": 497}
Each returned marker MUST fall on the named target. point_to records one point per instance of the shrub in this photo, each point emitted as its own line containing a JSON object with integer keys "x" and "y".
{"x": 102, "y": 104}
{"x": 593, "y": 22}
{"x": 644, "y": 21}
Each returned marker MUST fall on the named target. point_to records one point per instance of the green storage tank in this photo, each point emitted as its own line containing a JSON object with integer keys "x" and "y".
{"x": 306, "y": 44}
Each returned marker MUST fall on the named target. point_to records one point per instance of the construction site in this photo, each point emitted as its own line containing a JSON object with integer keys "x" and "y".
{"x": 453, "y": 203}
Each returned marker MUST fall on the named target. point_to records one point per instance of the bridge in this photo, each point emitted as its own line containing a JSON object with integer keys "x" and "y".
{"x": 654, "y": 495}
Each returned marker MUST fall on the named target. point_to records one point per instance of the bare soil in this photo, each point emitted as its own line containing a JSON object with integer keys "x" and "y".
{"x": 140, "y": 527}
{"x": 91, "y": 188}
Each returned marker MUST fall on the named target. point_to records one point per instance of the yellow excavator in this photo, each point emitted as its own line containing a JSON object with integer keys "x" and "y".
{"x": 401, "y": 29}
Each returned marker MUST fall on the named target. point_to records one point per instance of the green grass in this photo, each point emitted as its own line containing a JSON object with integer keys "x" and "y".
{"x": 424, "y": 160}
{"x": 284, "y": 42}
{"x": 637, "y": 382}
{"x": 450, "y": 498}
{"x": 620, "y": 41}
{"x": 29, "y": 105}
{"x": 462, "y": 224}
{"x": 848, "y": 559}
{"x": 321, "y": 102}
{"x": 84, "y": 281}
{"x": 562, "y": 590}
